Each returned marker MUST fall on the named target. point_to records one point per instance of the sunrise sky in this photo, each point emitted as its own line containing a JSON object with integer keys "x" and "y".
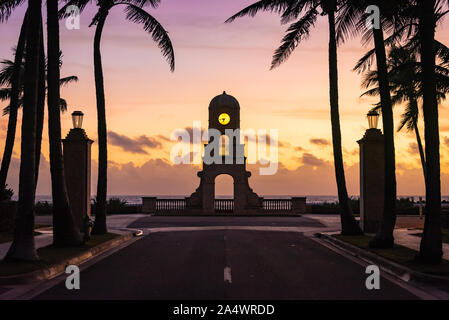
{"x": 145, "y": 102}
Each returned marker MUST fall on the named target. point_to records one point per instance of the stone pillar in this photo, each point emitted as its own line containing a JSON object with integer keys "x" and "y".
{"x": 149, "y": 204}
{"x": 371, "y": 180}
{"x": 77, "y": 167}
{"x": 299, "y": 204}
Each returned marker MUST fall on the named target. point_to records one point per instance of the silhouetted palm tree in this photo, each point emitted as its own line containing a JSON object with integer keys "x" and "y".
{"x": 5, "y": 10}
{"x": 134, "y": 13}
{"x": 23, "y": 247}
{"x": 65, "y": 232}
{"x": 352, "y": 21}
{"x": 305, "y": 13}
{"x": 405, "y": 76}
{"x": 431, "y": 243}
{"x": 6, "y": 79}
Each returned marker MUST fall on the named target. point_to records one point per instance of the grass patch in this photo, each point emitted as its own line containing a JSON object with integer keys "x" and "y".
{"x": 444, "y": 235}
{"x": 8, "y": 236}
{"x": 51, "y": 255}
{"x": 399, "y": 254}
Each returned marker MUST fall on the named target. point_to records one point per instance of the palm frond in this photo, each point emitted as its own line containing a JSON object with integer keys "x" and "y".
{"x": 6, "y": 72}
{"x": 276, "y": 6}
{"x": 297, "y": 32}
{"x": 62, "y": 105}
{"x": 157, "y": 31}
{"x": 294, "y": 9}
{"x": 5, "y": 94}
{"x": 81, "y": 4}
{"x": 67, "y": 80}
{"x": 6, "y": 8}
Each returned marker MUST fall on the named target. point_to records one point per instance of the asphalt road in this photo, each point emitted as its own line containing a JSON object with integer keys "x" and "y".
{"x": 225, "y": 264}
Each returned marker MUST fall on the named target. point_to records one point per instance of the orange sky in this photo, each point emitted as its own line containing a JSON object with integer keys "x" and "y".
{"x": 145, "y": 99}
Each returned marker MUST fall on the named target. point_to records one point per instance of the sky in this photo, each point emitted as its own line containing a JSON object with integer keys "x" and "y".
{"x": 145, "y": 102}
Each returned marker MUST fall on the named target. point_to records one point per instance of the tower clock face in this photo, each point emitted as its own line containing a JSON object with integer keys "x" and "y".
{"x": 224, "y": 119}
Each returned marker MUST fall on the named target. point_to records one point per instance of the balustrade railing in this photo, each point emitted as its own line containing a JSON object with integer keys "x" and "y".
{"x": 179, "y": 206}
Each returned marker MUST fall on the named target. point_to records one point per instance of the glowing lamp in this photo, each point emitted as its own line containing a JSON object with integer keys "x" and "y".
{"x": 77, "y": 119}
{"x": 373, "y": 119}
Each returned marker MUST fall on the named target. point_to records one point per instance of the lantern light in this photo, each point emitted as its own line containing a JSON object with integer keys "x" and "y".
{"x": 373, "y": 119}
{"x": 77, "y": 119}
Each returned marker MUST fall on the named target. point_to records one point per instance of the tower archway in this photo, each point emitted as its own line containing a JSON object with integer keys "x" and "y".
{"x": 224, "y": 117}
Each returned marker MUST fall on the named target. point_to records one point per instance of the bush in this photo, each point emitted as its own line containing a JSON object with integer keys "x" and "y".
{"x": 6, "y": 194}
{"x": 334, "y": 208}
{"x": 117, "y": 206}
{"x": 43, "y": 209}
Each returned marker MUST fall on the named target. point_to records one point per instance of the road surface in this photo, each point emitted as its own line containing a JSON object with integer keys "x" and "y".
{"x": 225, "y": 264}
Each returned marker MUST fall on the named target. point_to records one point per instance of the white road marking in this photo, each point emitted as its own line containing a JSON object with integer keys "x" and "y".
{"x": 227, "y": 275}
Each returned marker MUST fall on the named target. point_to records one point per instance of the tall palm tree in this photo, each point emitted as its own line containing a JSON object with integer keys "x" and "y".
{"x": 405, "y": 77}
{"x": 134, "y": 13}
{"x": 353, "y": 22}
{"x": 6, "y": 80}
{"x": 65, "y": 232}
{"x": 305, "y": 12}
{"x": 15, "y": 87}
{"x": 23, "y": 247}
{"x": 431, "y": 245}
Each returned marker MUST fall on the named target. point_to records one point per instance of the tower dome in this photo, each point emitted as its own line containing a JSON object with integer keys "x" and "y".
{"x": 224, "y": 100}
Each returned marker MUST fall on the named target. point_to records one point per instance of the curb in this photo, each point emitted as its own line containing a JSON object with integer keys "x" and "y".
{"x": 59, "y": 268}
{"x": 225, "y": 215}
{"x": 395, "y": 269}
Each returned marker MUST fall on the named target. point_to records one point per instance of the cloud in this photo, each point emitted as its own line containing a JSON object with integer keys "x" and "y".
{"x": 133, "y": 145}
{"x": 268, "y": 140}
{"x": 446, "y": 141}
{"x": 413, "y": 148}
{"x": 299, "y": 149}
{"x": 319, "y": 142}
{"x": 309, "y": 159}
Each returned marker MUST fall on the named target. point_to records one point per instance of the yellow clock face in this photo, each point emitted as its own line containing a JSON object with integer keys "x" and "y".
{"x": 224, "y": 118}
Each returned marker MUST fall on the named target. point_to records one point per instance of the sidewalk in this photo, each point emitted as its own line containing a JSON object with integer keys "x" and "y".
{"x": 405, "y": 233}
{"x": 116, "y": 224}
{"x": 406, "y": 238}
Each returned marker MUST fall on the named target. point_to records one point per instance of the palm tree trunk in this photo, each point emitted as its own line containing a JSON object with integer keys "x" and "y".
{"x": 431, "y": 245}
{"x": 23, "y": 247}
{"x": 100, "y": 210}
{"x": 65, "y": 233}
{"x": 421, "y": 150}
{"x": 384, "y": 237}
{"x": 349, "y": 225}
{"x": 13, "y": 105}
{"x": 40, "y": 104}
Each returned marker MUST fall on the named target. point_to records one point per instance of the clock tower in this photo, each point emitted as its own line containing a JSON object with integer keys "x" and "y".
{"x": 224, "y": 118}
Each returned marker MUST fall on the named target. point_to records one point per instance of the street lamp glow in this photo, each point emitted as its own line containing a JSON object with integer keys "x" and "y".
{"x": 77, "y": 119}
{"x": 373, "y": 119}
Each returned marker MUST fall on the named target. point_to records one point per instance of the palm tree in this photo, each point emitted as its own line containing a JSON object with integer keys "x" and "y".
{"x": 23, "y": 247}
{"x": 65, "y": 233}
{"x": 405, "y": 76}
{"x": 431, "y": 245}
{"x": 134, "y": 13}
{"x": 353, "y": 22}
{"x": 6, "y": 79}
{"x": 14, "y": 96}
{"x": 305, "y": 12}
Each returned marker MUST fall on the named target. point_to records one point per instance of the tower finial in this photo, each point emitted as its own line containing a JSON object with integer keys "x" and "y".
{"x": 224, "y": 92}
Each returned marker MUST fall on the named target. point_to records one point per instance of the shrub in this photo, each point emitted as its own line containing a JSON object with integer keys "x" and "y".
{"x": 43, "y": 209}
{"x": 6, "y": 194}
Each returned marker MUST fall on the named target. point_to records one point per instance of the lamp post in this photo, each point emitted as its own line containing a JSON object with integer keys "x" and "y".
{"x": 372, "y": 175}
{"x": 77, "y": 169}
{"x": 77, "y": 119}
{"x": 373, "y": 119}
